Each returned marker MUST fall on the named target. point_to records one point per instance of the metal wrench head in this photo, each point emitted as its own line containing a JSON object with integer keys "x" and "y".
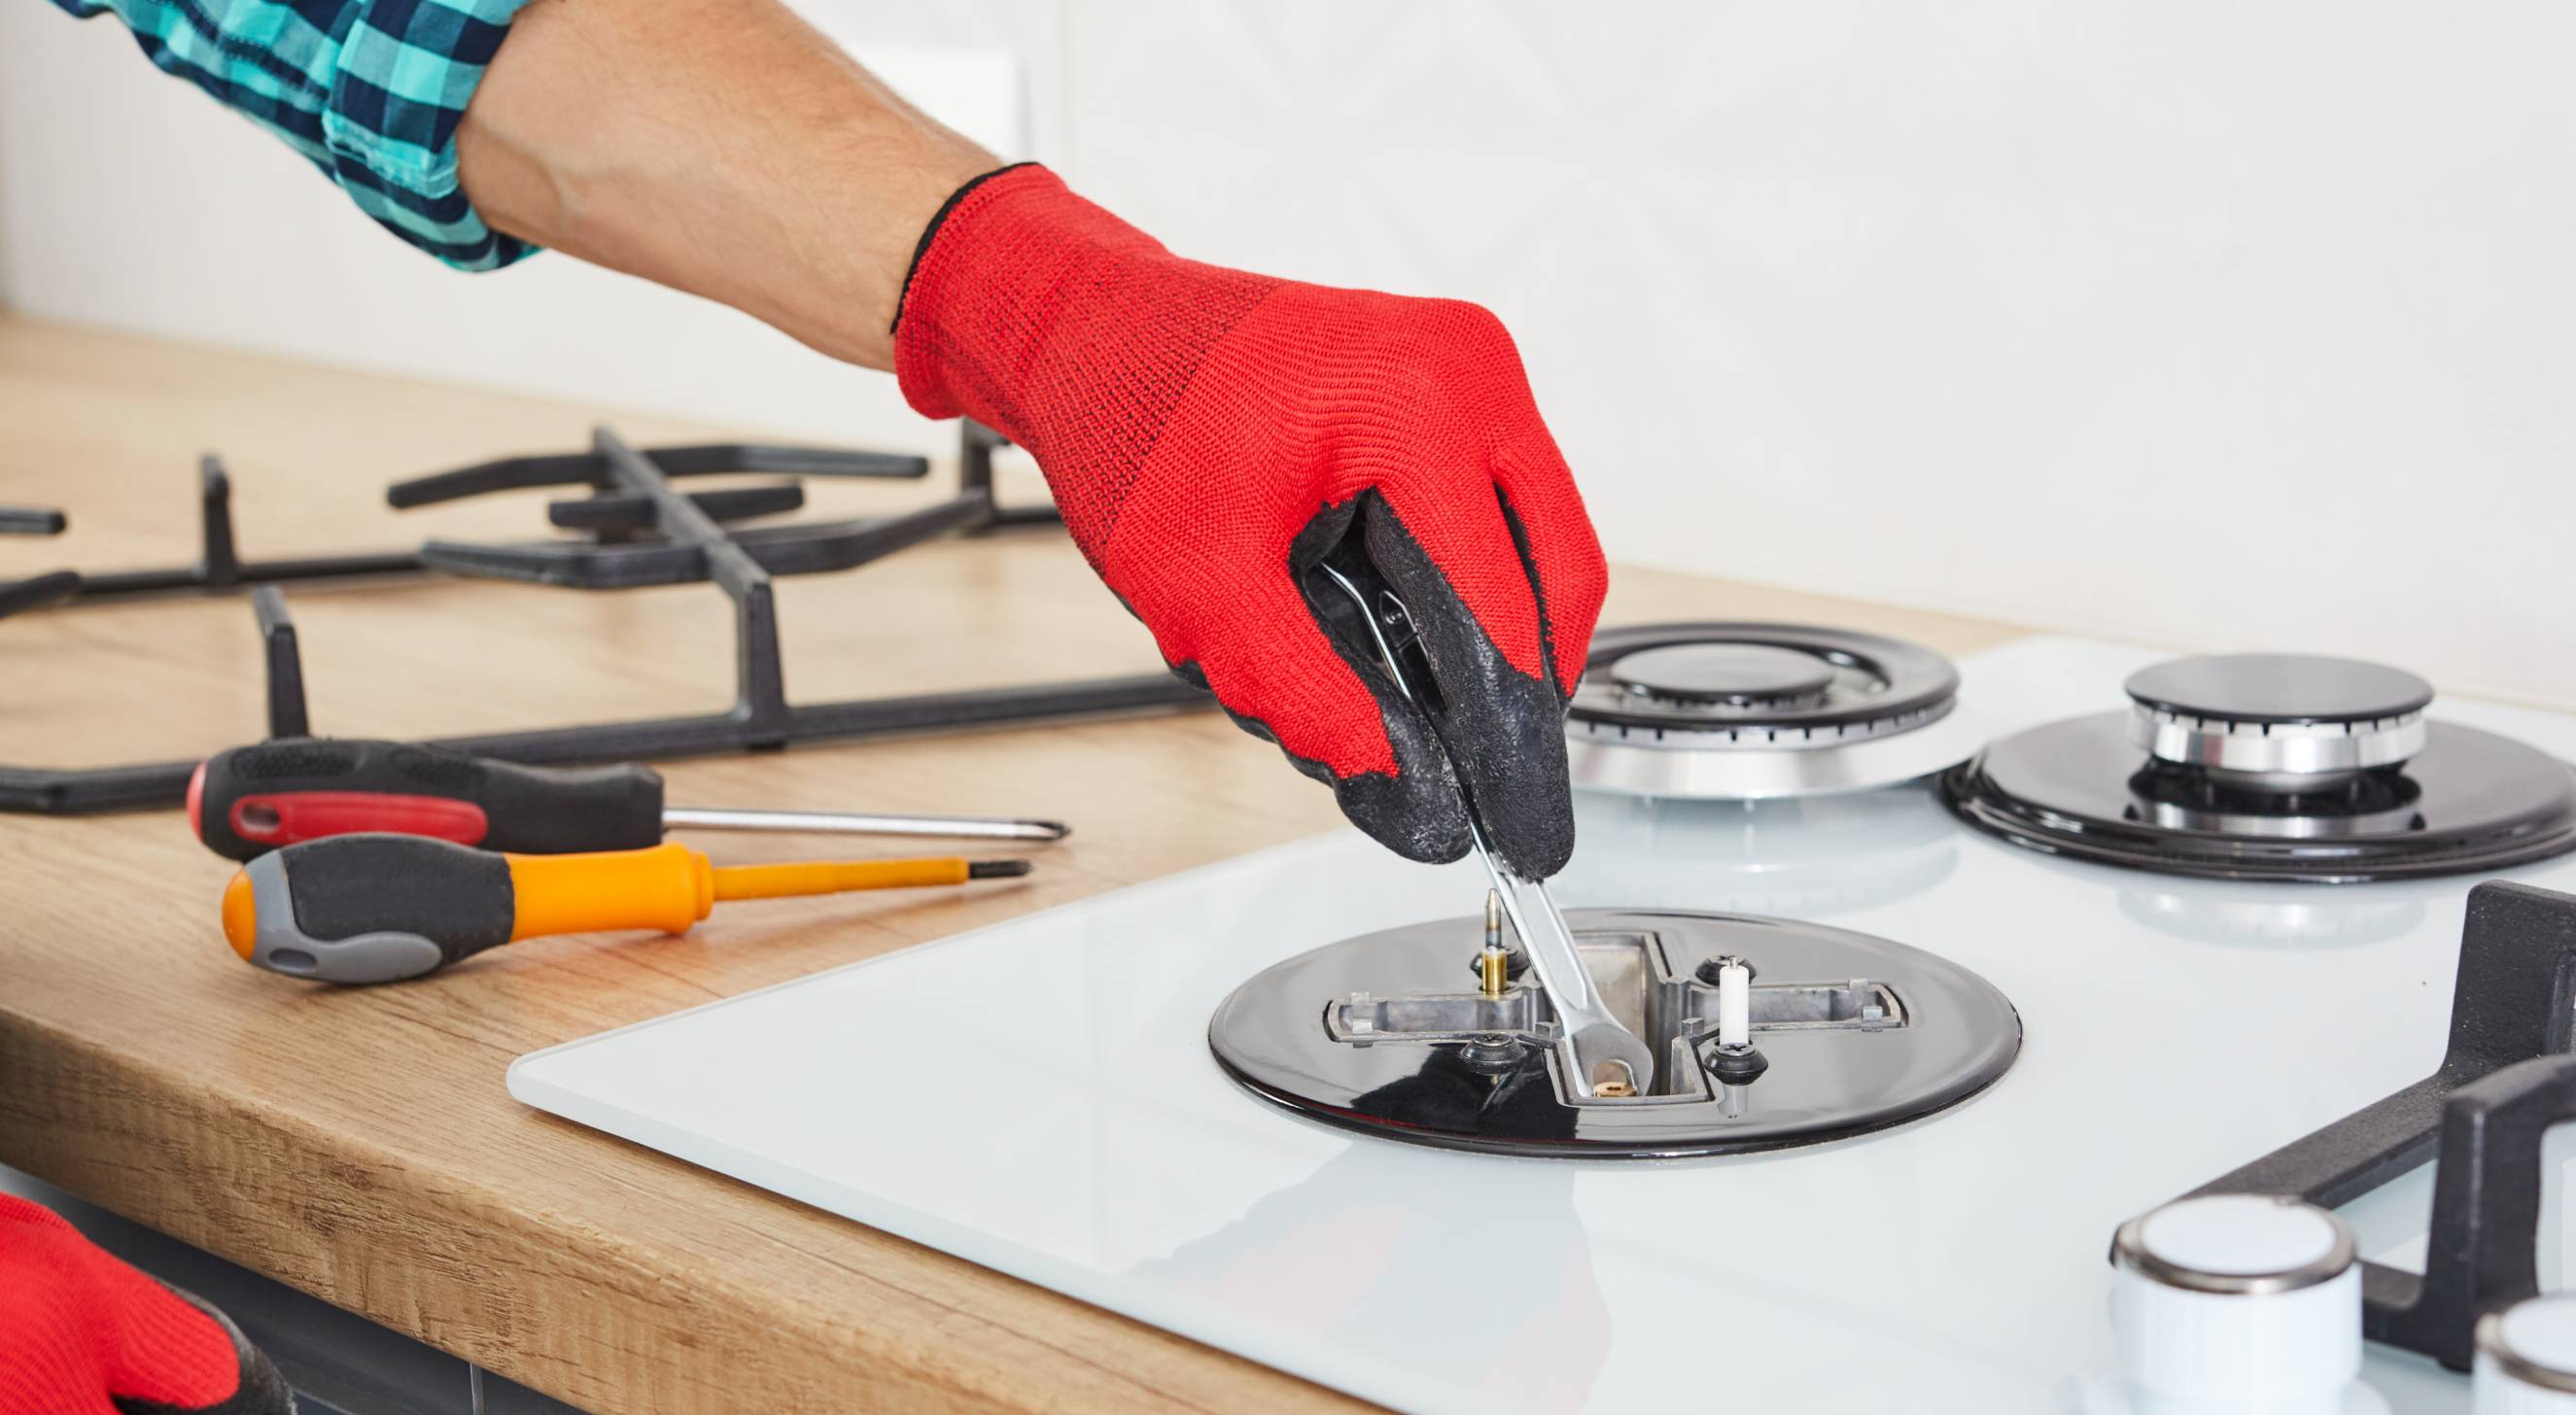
{"x": 1603, "y": 1058}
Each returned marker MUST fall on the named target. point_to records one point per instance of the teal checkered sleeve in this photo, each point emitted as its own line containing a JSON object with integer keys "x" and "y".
{"x": 369, "y": 90}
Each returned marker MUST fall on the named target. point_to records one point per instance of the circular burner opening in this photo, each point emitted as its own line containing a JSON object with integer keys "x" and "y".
{"x": 1728, "y": 675}
{"x": 1380, "y": 1034}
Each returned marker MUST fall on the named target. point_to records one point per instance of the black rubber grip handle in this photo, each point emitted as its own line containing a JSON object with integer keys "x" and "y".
{"x": 251, "y": 800}
{"x": 352, "y": 886}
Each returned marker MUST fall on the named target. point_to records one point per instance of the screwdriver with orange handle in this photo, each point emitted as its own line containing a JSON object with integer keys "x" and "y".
{"x": 375, "y": 908}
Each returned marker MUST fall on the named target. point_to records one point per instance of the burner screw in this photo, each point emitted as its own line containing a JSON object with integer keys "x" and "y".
{"x": 1736, "y": 1066}
{"x": 1493, "y": 1053}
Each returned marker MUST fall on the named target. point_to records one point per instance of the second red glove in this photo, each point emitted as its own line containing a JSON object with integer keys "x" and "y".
{"x": 82, "y": 1333}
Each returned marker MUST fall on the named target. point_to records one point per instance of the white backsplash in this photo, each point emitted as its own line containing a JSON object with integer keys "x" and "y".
{"x": 2224, "y": 326}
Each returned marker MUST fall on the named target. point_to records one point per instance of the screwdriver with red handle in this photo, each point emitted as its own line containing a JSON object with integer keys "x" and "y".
{"x": 378, "y": 908}
{"x": 250, "y": 800}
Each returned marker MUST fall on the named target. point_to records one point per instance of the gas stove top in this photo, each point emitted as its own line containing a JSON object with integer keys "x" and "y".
{"x": 2170, "y": 1029}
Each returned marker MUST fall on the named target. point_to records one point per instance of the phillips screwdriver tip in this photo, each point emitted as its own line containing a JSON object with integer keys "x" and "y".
{"x": 996, "y": 869}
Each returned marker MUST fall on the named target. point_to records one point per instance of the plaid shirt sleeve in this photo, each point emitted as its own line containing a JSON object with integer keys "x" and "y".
{"x": 369, "y": 90}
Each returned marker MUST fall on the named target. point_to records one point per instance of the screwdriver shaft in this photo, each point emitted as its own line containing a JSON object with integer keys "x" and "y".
{"x": 855, "y": 823}
{"x": 832, "y": 877}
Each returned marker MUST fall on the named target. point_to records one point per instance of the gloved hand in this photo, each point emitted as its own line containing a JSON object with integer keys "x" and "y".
{"x": 83, "y": 1334}
{"x": 1212, "y": 436}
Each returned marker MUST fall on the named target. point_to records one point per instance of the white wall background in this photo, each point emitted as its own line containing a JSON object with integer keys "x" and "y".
{"x": 2216, "y": 324}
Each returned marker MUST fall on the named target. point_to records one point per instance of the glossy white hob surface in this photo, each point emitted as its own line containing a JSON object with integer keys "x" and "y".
{"x": 1084, "y": 1140}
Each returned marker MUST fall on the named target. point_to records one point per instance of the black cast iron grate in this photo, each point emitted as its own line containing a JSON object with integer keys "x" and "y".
{"x": 634, "y": 528}
{"x": 2505, "y": 1078}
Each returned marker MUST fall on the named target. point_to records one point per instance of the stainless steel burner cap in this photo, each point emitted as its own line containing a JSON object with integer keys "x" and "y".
{"x": 2279, "y": 687}
{"x": 2277, "y": 720}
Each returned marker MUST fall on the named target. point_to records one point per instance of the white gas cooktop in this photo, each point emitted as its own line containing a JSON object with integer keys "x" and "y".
{"x": 1084, "y": 1139}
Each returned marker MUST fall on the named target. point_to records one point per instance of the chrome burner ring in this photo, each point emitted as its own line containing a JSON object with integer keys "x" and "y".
{"x": 2277, "y": 721}
{"x": 1748, "y": 711}
{"x": 2277, "y": 755}
{"x": 1759, "y": 736}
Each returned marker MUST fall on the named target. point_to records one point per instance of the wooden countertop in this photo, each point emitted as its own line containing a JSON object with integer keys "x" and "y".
{"x": 358, "y": 1143}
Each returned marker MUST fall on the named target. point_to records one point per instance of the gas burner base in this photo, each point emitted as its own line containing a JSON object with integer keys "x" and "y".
{"x": 1382, "y": 1034}
{"x": 2467, "y": 801}
{"x": 1744, "y": 711}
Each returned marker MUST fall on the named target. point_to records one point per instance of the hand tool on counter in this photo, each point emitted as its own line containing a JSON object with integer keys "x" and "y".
{"x": 249, "y": 800}
{"x": 1603, "y": 1057}
{"x": 374, "y": 908}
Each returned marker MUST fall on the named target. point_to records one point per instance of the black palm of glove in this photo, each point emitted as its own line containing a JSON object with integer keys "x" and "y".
{"x": 1474, "y": 734}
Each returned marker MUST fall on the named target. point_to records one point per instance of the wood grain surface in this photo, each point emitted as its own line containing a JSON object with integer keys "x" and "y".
{"x": 358, "y": 1143}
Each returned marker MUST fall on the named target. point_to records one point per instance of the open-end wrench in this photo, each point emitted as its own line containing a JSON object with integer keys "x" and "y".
{"x": 1602, "y": 1058}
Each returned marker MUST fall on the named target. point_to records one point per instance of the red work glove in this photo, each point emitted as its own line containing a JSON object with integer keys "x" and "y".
{"x": 83, "y": 1334}
{"x": 1212, "y": 436}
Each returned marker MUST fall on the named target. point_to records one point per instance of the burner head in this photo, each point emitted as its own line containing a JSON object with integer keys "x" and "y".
{"x": 2279, "y": 687}
{"x": 2277, "y": 721}
{"x": 2272, "y": 766}
{"x": 1743, "y": 711}
{"x": 1748, "y": 676}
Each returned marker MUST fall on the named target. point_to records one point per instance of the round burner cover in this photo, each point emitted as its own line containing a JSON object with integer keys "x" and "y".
{"x": 2467, "y": 801}
{"x": 2279, "y": 687}
{"x": 1744, "y": 711}
{"x": 1740, "y": 675}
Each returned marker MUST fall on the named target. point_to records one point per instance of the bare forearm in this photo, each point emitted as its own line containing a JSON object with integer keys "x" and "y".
{"x": 721, "y": 147}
